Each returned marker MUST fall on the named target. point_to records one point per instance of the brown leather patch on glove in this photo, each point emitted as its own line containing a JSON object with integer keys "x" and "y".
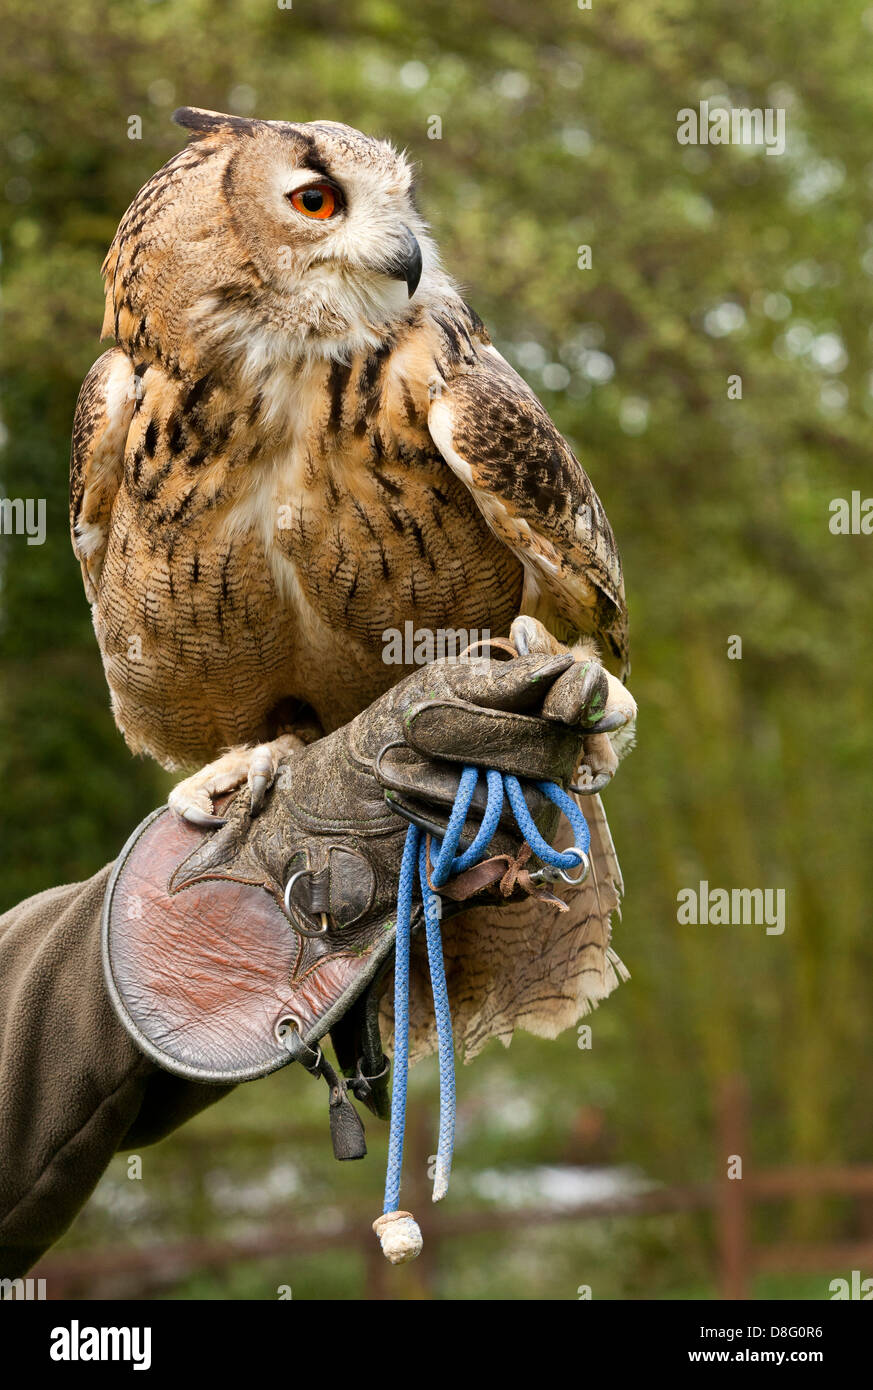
{"x": 202, "y": 974}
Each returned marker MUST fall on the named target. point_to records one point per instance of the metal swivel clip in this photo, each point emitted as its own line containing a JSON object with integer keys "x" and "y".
{"x": 548, "y": 874}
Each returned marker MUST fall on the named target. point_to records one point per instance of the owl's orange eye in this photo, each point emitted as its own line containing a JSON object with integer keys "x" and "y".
{"x": 319, "y": 200}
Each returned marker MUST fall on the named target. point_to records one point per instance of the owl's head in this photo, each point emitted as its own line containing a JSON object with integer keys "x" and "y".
{"x": 269, "y": 237}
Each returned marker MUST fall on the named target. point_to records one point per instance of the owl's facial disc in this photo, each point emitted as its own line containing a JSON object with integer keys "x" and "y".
{"x": 386, "y": 246}
{"x": 326, "y": 218}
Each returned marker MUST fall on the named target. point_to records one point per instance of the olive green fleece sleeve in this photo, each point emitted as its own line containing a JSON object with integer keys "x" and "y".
{"x": 73, "y": 1086}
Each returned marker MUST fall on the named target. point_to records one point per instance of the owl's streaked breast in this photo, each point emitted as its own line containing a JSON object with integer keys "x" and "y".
{"x": 276, "y": 563}
{"x": 371, "y": 539}
{"x": 362, "y": 523}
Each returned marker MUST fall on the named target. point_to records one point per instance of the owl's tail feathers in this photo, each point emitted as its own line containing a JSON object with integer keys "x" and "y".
{"x": 605, "y": 867}
{"x": 604, "y": 971}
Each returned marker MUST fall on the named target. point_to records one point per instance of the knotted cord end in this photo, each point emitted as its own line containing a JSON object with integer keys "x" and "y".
{"x": 399, "y": 1235}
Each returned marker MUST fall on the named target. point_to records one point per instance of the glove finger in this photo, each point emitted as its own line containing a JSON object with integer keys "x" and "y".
{"x": 518, "y": 743}
{"x": 579, "y": 696}
{"x": 519, "y": 685}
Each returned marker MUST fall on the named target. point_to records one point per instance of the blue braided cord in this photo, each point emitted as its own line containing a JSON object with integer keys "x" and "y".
{"x": 445, "y": 1040}
{"x": 415, "y": 852}
{"x": 487, "y": 829}
{"x": 570, "y": 808}
{"x": 445, "y": 866}
{"x": 541, "y": 848}
{"x": 457, "y": 819}
{"x": 401, "y": 1019}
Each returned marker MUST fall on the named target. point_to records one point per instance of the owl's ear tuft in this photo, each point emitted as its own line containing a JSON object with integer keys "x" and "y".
{"x": 201, "y": 122}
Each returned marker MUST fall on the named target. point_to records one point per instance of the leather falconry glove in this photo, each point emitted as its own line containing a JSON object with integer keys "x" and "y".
{"x": 230, "y": 952}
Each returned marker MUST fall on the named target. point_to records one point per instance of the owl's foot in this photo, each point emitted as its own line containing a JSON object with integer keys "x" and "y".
{"x": 587, "y": 696}
{"x": 256, "y": 766}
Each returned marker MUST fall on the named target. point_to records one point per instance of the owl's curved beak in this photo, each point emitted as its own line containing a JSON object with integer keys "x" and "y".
{"x": 406, "y": 263}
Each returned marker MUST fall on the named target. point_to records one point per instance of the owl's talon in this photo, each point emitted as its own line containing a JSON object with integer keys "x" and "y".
{"x": 259, "y": 785}
{"x": 204, "y": 820}
{"x": 193, "y": 803}
{"x": 609, "y": 723}
{"x": 193, "y": 798}
{"x": 596, "y": 784}
{"x": 531, "y": 638}
{"x": 263, "y": 762}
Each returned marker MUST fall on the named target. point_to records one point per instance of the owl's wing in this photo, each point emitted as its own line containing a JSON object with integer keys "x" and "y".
{"x": 103, "y": 414}
{"x": 537, "y": 498}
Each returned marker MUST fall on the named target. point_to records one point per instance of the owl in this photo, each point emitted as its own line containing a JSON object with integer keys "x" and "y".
{"x": 302, "y": 440}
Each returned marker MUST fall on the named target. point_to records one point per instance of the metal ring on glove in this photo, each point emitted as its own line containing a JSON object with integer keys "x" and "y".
{"x": 325, "y": 925}
{"x": 288, "y": 1022}
{"x": 550, "y": 874}
{"x": 291, "y": 1024}
{"x": 584, "y": 865}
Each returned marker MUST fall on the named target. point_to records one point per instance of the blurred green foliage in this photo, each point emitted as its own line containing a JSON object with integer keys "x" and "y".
{"x": 558, "y": 131}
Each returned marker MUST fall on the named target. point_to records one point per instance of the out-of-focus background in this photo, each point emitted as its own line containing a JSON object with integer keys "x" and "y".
{"x": 557, "y": 130}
